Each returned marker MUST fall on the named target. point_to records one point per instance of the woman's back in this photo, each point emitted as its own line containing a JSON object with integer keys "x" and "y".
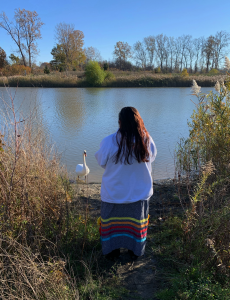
{"x": 123, "y": 182}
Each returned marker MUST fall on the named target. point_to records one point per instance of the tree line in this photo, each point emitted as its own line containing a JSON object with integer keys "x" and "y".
{"x": 175, "y": 54}
{"x": 168, "y": 54}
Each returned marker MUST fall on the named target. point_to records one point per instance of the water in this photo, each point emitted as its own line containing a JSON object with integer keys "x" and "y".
{"x": 78, "y": 119}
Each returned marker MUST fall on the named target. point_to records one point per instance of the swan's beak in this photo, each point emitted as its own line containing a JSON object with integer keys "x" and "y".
{"x": 85, "y": 154}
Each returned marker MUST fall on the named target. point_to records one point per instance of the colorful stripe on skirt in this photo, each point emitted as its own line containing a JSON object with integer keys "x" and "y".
{"x": 124, "y": 226}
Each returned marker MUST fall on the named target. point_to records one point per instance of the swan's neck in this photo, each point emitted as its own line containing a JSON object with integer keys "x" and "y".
{"x": 84, "y": 162}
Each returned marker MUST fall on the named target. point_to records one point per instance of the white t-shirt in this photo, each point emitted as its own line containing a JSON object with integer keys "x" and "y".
{"x": 124, "y": 183}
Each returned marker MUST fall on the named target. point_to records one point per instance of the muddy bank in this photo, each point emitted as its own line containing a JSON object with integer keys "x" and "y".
{"x": 164, "y": 200}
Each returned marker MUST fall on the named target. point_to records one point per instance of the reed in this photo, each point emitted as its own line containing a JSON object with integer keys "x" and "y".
{"x": 203, "y": 231}
{"x": 124, "y": 79}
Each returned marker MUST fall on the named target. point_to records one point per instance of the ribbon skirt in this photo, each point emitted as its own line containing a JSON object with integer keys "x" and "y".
{"x": 124, "y": 226}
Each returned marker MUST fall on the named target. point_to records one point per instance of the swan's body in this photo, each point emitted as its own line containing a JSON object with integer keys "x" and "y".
{"x": 82, "y": 169}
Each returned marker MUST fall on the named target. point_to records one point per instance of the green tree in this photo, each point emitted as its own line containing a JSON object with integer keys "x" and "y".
{"x": 59, "y": 58}
{"x": 46, "y": 70}
{"x": 94, "y": 74}
{"x": 14, "y": 59}
{"x": 184, "y": 73}
{"x": 2, "y": 58}
{"x": 106, "y": 66}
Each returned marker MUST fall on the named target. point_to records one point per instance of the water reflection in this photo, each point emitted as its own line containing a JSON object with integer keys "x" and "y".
{"x": 69, "y": 110}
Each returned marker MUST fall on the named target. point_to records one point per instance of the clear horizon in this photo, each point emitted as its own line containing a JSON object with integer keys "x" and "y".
{"x": 104, "y": 24}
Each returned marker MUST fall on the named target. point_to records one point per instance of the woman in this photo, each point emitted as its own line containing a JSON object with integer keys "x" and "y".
{"x": 126, "y": 185}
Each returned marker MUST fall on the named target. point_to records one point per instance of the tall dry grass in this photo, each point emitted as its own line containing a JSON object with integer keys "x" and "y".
{"x": 32, "y": 192}
{"x": 26, "y": 275}
{"x": 49, "y": 246}
{"x": 33, "y": 196}
{"x": 120, "y": 79}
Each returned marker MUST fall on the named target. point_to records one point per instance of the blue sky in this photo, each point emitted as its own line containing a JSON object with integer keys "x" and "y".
{"x": 106, "y": 22}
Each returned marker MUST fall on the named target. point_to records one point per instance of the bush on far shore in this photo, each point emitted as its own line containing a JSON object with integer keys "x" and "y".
{"x": 94, "y": 74}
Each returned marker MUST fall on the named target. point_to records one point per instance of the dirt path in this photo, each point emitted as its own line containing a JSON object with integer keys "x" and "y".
{"x": 141, "y": 277}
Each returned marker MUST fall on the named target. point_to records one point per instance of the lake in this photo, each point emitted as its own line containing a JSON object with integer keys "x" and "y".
{"x": 77, "y": 119}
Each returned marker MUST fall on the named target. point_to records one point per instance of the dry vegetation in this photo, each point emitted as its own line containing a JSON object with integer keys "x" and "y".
{"x": 32, "y": 198}
{"x": 49, "y": 248}
{"x": 117, "y": 79}
{"x": 197, "y": 243}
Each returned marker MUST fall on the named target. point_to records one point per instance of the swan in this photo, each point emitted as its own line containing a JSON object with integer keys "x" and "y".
{"x": 82, "y": 169}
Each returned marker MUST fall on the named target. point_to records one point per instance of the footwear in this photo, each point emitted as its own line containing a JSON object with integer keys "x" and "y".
{"x": 132, "y": 255}
{"x": 113, "y": 254}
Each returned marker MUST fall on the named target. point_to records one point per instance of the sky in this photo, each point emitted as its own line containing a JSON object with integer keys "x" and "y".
{"x": 106, "y": 22}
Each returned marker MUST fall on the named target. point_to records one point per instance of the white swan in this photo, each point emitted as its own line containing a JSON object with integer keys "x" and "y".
{"x": 82, "y": 169}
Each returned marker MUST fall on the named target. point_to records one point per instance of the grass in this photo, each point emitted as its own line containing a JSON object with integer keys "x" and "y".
{"x": 188, "y": 270}
{"x": 114, "y": 79}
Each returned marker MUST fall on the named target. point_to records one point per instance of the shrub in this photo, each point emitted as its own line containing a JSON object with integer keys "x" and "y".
{"x": 106, "y": 66}
{"x": 213, "y": 72}
{"x": 158, "y": 70}
{"x": 109, "y": 75}
{"x": 94, "y": 74}
{"x": 184, "y": 73}
{"x": 15, "y": 70}
{"x": 46, "y": 70}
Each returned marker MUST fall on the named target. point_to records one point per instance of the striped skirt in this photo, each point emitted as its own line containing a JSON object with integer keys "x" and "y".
{"x": 124, "y": 226}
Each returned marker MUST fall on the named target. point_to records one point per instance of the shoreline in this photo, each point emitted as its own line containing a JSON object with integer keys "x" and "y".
{"x": 137, "y": 81}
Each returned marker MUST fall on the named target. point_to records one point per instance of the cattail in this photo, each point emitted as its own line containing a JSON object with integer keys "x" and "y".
{"x": 223, "y": 86}
{"x": 217, "y": 86}
{"x": 195, "y": 87}
{"x": 227, "y": 63}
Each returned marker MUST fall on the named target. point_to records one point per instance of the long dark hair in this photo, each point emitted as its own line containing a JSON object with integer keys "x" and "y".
{"x": 132, "y": 137}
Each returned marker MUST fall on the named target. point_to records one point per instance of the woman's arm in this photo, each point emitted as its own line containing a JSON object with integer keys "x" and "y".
{"x": 153, "y": 150}
{"x": 102, "y": 155}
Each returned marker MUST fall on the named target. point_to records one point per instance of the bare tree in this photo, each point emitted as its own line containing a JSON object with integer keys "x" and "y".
{"x": 177, "y": 52}
{"x": 222, "y": 39}
{"x": 30, "y": 24}
{"x": 166, "y": 53}
{"x": 171, "y": 50}
{"x": 150, "y": 46}
{"x": 92, "y": 53}
{"x": 160, "y": 47}
{"x": 209, "y": 51}
{"x": 15, "y": 31}
{"x": 72, "y": 43}
{"x": 184, "y": 47}
{"x": 191, "y": 53}
{"x": 122, "y": 51}
{"x": 140, "y": 54}
{"x": 197, "y": 46}
{"x": 24, "y": 31}
{"x": 202, "y": 59}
